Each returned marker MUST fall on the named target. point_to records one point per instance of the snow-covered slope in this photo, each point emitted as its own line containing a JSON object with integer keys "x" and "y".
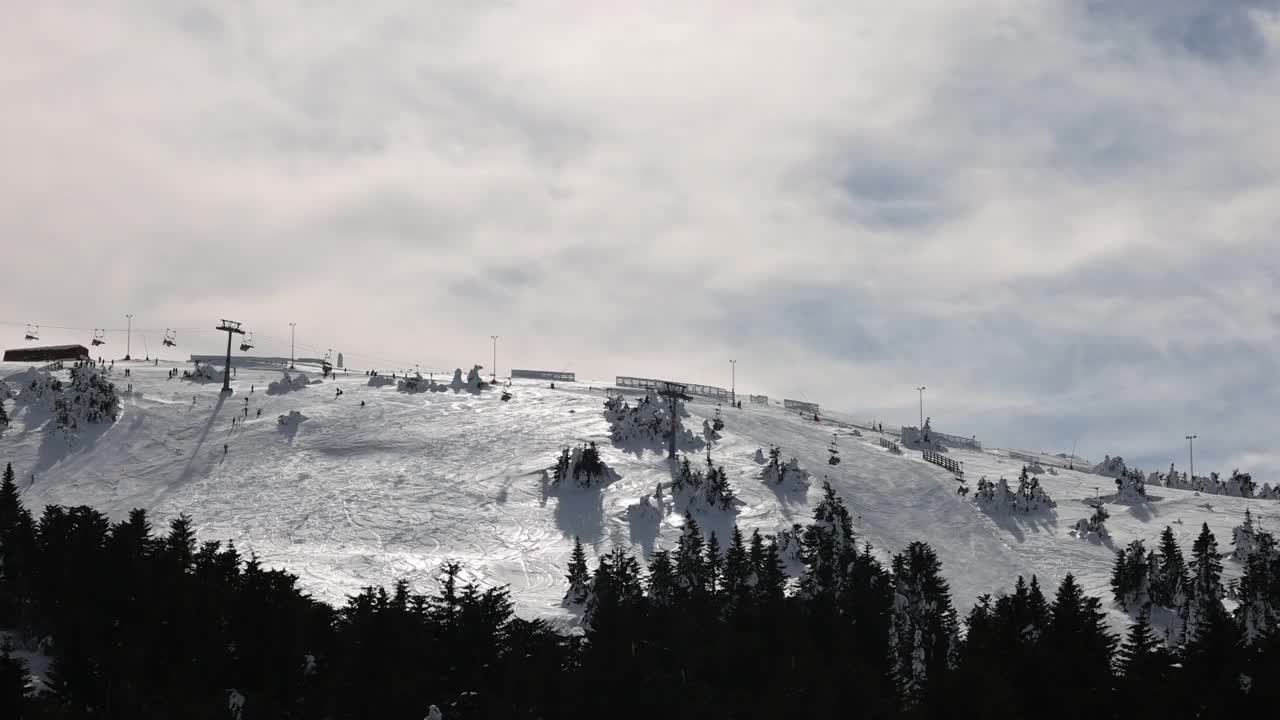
{"x": 356, "y": 495}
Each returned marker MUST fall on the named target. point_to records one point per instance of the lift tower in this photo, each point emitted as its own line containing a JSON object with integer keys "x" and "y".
{"x": 231, "y": 328}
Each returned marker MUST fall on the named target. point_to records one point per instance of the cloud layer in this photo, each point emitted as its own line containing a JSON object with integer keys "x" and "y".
{"x": 1057, "y": 215}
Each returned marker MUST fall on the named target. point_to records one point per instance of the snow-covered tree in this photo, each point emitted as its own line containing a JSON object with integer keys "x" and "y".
{"x": 1257, "y": 593}
{"x": 583, "y": 467}
{"x": 1205, "y": 597}
{"x": 1111, "y": 467}
{"x": 1131, "y": 487}
{"x": 925, "y": 629}
{"x": 828, "y": 545}
{"x": 1239, "y": 485}
{"x": 1244, "y": 538}
{"x": 1131, "y": 577}
{"x": 1093, "y": 527}
{"x": 997, "y": 497}
{"x": 787, "y": 473}
{"x": 648, "y": 423}
{"x": 708, "y": 433}
{"x": 709, "y": 489}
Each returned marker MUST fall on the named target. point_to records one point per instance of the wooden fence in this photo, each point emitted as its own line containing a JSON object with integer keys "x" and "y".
{"x": 890, "y": 445}
{"x": 956, "y": 468}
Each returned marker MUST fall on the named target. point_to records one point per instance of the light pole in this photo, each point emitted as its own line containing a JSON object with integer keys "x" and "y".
{"x": 495, "y": 357}
{"x": 921, "y": 391}
{"x": 128, "y": 337}
{"x": 733, "y": 382}
{"x": 292, "y": 328}
{"x": 1191, "y": 450}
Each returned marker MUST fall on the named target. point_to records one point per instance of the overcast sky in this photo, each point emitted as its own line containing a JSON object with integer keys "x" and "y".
{"x": 1060, "y": 217}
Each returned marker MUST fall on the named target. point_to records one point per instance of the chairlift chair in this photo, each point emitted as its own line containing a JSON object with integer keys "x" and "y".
{"x": 33, "y": 332}
{"x": 247, "y": 342}
{"x": 171, "y": 338}
{"x": 835, "y": 452}
{"x": 98, "y": 338}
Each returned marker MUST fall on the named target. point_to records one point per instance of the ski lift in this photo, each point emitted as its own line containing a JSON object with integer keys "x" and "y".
{"x": 835, "y": 452}
{"x": 247, "y": 342}
{"x": 506, "y": 395}
{"x": 33, "y": 332}
{"x": 171, "y": 338}
{"x": 98, "y": 338}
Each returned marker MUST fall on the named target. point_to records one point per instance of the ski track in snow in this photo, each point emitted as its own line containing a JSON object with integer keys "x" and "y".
{"x": 368, "y": 495}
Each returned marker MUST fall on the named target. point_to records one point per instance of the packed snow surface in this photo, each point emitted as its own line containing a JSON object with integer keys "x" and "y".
{"x": 364, "y": 495}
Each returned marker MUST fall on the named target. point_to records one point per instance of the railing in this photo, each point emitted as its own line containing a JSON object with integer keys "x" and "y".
{"x": 55, "y": 365}
{"x": 800, "y": 406}
{"x": 956, "y": 440}
{"x": 890, "y": 445}
{"x": 956, "y": 468}
{"x": 760, "y": 399}
{"x": 711, "y": 391}
{"x": 1056, "y": 462}
{"x": 552, "y": 375}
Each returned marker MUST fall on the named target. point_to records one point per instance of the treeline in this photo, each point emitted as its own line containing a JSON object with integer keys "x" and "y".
{"x": 141, "y": 624}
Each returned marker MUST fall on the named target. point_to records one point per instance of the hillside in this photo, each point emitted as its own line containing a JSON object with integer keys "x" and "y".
{"x": 363, "y": 495}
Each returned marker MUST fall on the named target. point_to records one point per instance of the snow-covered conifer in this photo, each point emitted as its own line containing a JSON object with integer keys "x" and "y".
{"x": 925, "y": 629}
{"x": 1131, "y": 577}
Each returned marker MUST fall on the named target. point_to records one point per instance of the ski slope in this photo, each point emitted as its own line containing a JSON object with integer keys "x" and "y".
{"x": 357, "y": 496}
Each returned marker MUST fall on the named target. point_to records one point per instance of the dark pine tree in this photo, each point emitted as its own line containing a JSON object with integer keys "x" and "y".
{"x": 579, "y": 576}
{"x": 1205, "y": 596}
{"x": 1079, "y": 648}
{"x": 1169, "y": 578}
{"x": 14, "y": 692}
{"x": 1145, "y": 668}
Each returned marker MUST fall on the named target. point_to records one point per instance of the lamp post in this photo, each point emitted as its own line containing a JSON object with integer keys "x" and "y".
{"x": 733, "y": 382}
{"x": 495, "y": 357}
{"x": 292, "y": 328}
{"x": 921, "y": 391}
{"x": 128, "y": 337}
{"x": 1191, "y": 450}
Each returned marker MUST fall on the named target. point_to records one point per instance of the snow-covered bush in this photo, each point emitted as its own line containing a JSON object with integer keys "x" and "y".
{"x": 648, "y": 423}
{"x": 473, "y": 384}
{"x": 650, "y": 510}
{"x": 287, "y": 384}
{"x": 1239, "y": 485}
{"x": 776, "y": 472}
{"x": 203, "y": 373}
{"x": 1093, "y": 527}
{"x": 791, "y": 545}
{"x": 694, "y": 489}
{"x": 1244, "y": 538}
{"x": 1111, "y": 467}
{"x": 583, "y": 467}
{"x": 89, "y": 397}
{"x": 1035, "y": 468}
{"x": 418, "y": 384}
{"x": 709, "y": 433}
{"x": 1131, "y": 488}
{"x": 997, "y": 497}
{"x": 291, "y": 420}
{"x": 381, "y": 380}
